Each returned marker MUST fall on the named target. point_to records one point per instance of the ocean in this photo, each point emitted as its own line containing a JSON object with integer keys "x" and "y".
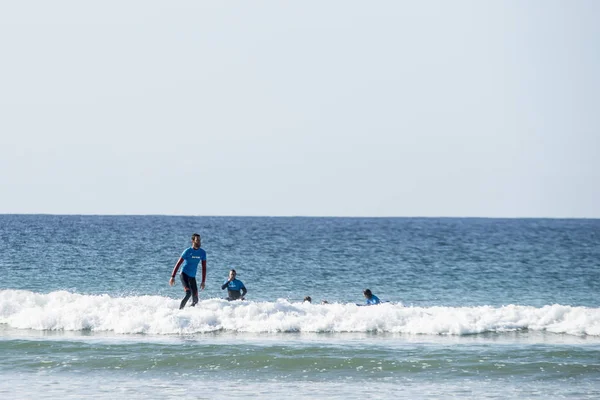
{"x": 473, "y": 308}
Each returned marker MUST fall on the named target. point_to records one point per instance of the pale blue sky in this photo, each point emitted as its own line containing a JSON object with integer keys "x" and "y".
{"x": 324, "y": 108}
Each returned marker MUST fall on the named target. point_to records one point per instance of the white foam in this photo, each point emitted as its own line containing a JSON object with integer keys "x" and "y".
{"x": 65, "y": 311}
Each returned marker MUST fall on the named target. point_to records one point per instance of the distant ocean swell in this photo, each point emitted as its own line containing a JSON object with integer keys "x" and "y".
{"x": 156, "y": 315}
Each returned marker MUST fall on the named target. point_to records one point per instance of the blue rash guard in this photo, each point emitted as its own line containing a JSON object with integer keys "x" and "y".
{"x": 235, "y": 289}
{"x": 191, "y": 259}
{"x": 373, "y": 300}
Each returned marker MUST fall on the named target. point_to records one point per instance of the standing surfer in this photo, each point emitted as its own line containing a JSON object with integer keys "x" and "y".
{"x": 190, "y": 258}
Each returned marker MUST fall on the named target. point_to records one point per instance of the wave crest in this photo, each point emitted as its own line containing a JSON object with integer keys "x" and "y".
{"x": 158, "y": 315}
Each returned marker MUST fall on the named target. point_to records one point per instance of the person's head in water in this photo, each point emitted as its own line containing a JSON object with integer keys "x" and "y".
{"x": 307, "y": 298}
{"x": 195, "y": 241}
{"x": 232, "y": 274}
{"x": 368, "y": 294}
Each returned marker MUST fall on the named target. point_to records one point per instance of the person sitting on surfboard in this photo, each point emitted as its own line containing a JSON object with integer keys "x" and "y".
{"x": 371, "y": 299}
{"x": 235, "y": 288}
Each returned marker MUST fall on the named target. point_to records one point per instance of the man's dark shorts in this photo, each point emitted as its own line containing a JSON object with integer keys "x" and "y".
{"x": 189, "y": 283}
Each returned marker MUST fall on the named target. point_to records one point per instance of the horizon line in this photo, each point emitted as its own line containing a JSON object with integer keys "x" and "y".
{"x": 295, "y": 216}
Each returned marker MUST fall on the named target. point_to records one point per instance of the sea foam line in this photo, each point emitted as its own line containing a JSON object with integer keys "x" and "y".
{"x": 65, "y": 311}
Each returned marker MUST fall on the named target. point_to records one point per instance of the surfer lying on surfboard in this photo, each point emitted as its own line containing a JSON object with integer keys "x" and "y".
{"x": 370, "y": 298}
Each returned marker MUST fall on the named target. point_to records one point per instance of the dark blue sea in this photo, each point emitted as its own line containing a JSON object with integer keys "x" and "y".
{"x": 473, "y": 308}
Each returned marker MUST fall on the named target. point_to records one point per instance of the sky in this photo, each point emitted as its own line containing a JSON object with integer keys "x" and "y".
{"x": 301, "y": 108}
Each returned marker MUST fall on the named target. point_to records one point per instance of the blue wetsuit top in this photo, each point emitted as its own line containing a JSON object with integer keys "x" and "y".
{"x": 373, "y": 300}
{"x": 235, "y": 284}
{"x": 191, "y": 258}
{"x": 235, "y": 289}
